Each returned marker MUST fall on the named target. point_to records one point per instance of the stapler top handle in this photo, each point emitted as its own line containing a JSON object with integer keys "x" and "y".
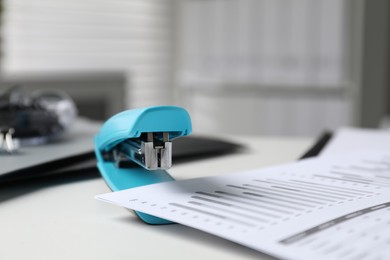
{"x": 141, "y": 136}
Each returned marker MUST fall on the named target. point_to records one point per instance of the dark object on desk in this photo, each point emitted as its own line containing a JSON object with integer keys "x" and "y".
{"x": 198, "y": 147}
{"x": 318, "y": 146}
{"x": 36, "y": 117}
{"x": 186, "y": 149}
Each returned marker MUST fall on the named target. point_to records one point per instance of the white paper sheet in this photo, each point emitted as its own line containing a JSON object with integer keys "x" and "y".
{"x": 351, "y": 140}
{"x": 333, "y": 208}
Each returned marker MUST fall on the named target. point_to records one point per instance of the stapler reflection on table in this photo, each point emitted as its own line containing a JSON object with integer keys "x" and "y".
{"x": 134, "y": 148}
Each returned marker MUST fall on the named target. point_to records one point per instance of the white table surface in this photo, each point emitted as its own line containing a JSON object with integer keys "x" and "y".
{"x": 63, "y": 220}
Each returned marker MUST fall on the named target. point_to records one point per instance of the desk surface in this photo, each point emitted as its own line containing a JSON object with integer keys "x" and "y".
{"x": 61, "y": 220}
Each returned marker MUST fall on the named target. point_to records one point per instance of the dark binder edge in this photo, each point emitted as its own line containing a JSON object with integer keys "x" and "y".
{"x": 321, "y": 142}
{"x": 187, "y": 149}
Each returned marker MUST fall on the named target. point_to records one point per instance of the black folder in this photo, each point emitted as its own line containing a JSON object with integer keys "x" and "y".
{"x": 184, "y": 149}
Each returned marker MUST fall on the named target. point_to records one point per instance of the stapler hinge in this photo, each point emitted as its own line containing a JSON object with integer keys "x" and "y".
{"x": 152, "y": 151}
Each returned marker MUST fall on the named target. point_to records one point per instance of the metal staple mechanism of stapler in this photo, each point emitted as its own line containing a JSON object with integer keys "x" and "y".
{"x": 151, "y": 150}
{"x": 134, "y": 148}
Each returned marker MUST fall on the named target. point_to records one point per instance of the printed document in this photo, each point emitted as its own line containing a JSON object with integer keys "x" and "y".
{"x": 323, "y": 208}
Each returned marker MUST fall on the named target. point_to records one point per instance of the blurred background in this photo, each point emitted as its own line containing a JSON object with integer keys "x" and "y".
{"x": 266, "y": 67}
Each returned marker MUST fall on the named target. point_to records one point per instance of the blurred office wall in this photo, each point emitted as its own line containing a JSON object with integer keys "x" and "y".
{"x": 103, "y": 37}
{"x": 273, "y": 67}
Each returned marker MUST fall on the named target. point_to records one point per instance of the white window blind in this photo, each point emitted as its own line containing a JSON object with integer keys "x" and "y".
{"x": 264, "y": 42}
{"x": 46, "y": 36}
{"x": 274, "y": 67}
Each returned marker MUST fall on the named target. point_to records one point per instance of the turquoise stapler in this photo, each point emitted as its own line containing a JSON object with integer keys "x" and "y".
{"x": 134, "y": 148}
